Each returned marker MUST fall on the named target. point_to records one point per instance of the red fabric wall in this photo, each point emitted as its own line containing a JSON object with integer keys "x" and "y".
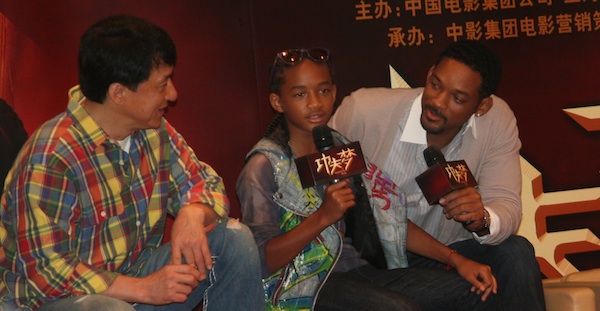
{"x": 217, "y": 110}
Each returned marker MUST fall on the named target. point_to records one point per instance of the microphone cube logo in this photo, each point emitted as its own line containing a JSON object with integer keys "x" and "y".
{"x": 336, "y": 164}
{"x": 458, "y": 172}
{"x": 331, "y": 165}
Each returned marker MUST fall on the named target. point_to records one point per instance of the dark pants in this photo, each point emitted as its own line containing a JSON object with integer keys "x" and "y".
{"x": 368, "y": 288}
{"x": 514, "y": 266}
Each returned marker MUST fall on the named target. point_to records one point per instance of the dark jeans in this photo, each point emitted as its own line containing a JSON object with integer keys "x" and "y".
{"x": 368, "y": 288}
{"x": 514, "y": 266}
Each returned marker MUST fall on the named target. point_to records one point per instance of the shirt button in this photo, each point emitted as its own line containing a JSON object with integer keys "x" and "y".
{"x": 137, "y": 223}
{"x": 103, "y": 213}
{"x": 121, "y": 162}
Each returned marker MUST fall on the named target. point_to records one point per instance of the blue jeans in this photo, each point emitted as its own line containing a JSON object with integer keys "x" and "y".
{"x": 234, "y": 283}
{"x": 369, "y": 288}
{"x": 513, "y": 264}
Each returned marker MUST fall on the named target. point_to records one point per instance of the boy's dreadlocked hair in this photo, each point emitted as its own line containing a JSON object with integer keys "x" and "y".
{"x": 279, "y": 133}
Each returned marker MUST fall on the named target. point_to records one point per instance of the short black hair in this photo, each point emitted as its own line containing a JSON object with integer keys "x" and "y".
{"x": 122, "y": 49}
{"x": 479, "y": 58}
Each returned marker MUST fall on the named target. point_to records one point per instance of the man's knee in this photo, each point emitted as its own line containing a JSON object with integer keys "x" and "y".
{"x": 100, "y": 302}
{"x": 518, "y": 245}
{"x": 237, "y": 242}
{"x": 519, "y": 258}
{"x": 239, "y": 234}
{"x": 88, "y": 302}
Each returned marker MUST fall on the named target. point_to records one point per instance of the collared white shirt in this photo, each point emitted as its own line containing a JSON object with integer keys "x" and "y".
{"x": 407, "y": 157}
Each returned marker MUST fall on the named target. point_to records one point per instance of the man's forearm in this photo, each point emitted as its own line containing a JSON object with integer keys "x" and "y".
{"x": 210, "y": 215}
{"x": 127, "y": 288}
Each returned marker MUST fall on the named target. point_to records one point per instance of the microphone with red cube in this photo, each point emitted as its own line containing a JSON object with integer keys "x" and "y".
{"x": 332, "y": 163}
{"x": 443, "y": 177}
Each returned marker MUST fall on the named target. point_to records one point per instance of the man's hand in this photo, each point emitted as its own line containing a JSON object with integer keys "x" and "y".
{"x": 465, "y": 206}
{"x": 188, "y": 237}
{"x": 171, "y": 283}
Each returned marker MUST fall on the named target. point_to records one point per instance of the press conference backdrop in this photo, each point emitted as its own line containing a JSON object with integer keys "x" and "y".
{"x": 549, "y": 49}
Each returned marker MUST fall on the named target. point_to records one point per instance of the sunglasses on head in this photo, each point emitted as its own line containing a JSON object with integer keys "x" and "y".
{"x": 293, "y": 56}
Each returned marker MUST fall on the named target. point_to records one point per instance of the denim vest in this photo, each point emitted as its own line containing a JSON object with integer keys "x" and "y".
{"x": 295, "y": 286}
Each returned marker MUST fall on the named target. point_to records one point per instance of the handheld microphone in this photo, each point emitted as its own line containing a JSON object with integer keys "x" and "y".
{"x": 443, "y": 177}
{"x": 323, "y": 138}
{"x": 433, "y": 155}
{"x": 331, "y": 163}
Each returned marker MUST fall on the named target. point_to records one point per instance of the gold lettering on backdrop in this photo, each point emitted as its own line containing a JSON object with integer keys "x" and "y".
{"x": 519, "y": 18}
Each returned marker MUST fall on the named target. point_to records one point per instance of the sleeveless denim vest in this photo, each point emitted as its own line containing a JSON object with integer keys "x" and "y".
{"x": 295, "y": 286}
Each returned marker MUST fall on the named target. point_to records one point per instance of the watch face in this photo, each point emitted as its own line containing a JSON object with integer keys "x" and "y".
{"x": 486, "y": 218}
{"x": 486, "y": 224}
{"x": 482, "y": 232}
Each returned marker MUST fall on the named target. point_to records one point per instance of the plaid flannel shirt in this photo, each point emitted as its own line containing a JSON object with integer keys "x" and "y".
{"x": 77, "y": 210}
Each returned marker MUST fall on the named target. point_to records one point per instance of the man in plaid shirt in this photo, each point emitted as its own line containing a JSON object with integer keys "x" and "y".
{"x": 84, "y": 209}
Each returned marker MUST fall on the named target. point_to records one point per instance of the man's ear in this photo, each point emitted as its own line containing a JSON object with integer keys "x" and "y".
{"x": 275, "y": 102}
{"x": 116, "y": 93}
{"x": 484, "y": 106}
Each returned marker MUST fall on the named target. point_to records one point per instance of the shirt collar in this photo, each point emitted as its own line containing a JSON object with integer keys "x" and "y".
{"x": 415, "y": 133}
{"x": 82, "y": 119}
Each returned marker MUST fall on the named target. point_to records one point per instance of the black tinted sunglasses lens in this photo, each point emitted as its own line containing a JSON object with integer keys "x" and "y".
{"x": 290, "y": 56}
{"x": 318, "y": 54}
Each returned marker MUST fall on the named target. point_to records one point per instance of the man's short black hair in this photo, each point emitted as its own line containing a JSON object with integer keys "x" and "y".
{"x": 479, "y": 58}
{"x": 121, "y": 49}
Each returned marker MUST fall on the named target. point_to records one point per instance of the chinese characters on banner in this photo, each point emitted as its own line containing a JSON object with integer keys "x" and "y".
{"x": 481, "y": 19}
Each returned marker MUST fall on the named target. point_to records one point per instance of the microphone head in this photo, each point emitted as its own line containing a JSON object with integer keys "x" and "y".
{"x": 433, "y": 155}
{"x": 323, "y": 137}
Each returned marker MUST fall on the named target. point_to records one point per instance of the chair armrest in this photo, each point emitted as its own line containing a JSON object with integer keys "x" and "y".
{"x": 592, "y": 275}
{"x": 569, "y": 298}
{"x": 551, "y": 281}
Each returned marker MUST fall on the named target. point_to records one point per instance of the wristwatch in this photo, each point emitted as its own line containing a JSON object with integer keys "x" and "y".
{"x": 486, "y": 224}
